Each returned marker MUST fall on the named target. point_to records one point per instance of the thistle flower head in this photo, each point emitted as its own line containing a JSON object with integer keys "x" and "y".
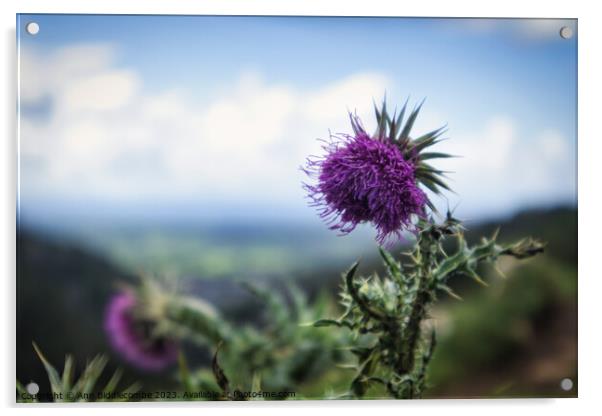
{"x": 133, "y": 337}
{"x": 375, "y": 179}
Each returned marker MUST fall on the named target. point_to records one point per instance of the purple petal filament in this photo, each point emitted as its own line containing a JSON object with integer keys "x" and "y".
{"x": 361, "y": 179}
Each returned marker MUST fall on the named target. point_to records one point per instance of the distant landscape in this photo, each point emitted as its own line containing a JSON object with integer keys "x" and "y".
{"x": 64, "y": 283}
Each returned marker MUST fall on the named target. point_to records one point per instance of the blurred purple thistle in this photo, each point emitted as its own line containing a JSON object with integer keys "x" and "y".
{"x": 133, "y": 339}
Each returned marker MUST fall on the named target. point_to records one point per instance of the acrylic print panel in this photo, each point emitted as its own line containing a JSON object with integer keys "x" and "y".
{"x": 196, "y": 193}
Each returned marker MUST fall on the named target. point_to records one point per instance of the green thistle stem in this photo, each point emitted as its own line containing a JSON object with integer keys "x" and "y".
{"x": 392, "y": 309}
{"x": 411, "y": 335}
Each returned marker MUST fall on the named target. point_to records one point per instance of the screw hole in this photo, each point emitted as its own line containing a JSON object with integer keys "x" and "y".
{"x": 566, "y": 32}
{"x": 32, "y": 28}
{"x": 32, "y": 388}
{"x": 566, "y": 384}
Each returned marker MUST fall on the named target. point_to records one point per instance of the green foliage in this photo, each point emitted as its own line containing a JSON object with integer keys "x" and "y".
{"x": 283, "y": 353}
{"x": 386, "y": 314}
{"x": 177, "y": 316}
{"x": 66, "y": 389}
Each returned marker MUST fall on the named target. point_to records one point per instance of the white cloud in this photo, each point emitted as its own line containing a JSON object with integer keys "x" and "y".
{"x": 326, "y": 104}
{"x": 105, "y": 136}
{"x": 104, "y": 92}
{"x": 43, "y": 74}
{"x": 501, "y": 169}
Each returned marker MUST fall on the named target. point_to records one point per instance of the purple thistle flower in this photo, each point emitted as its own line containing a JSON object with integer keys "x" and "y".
{"x": 133, "y": 338}
{"x": 362, "y": 179}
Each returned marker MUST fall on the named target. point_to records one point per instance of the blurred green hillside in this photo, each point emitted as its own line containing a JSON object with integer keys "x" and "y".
{"x": 516, "y": 338}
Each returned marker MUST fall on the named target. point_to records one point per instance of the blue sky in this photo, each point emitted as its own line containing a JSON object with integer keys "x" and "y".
{"x": 195, "y": 115}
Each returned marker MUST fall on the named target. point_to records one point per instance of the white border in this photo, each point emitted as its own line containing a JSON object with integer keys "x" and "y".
{"x": 590, "y": 70}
